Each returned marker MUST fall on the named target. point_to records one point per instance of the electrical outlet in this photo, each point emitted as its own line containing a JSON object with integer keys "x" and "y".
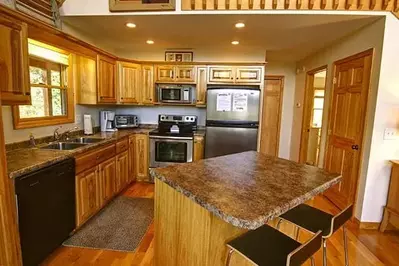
{"x": 390, "y": 133}
{"x": 78, "y": 119}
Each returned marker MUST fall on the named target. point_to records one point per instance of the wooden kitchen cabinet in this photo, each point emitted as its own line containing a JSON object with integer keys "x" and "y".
{"x": 165, "y": 73}
{"x": 14, "y": 62}
{"x": 122, "y": 170}
{"x": 248, "y": 75}
{"x": 201, "y": 85}
{"x": 106, "y": 70}
{"x": 199, "y": 146}
{"x": 221, "y": 74}
{"x": 128, "y": 82}
{"x": 147, "y": 84}
{"x": 390, "y": 219}
{"x": 132, "y": 158}
{"x": 236, "y": 74}
{"x": 175, "y": 74}
{"x": 107, "y": 172}
{"x": 185, "y": 74}
{"x": 142, "y": 156}
{"x": 85, "y": 80}
{"x": 87, "y": 194}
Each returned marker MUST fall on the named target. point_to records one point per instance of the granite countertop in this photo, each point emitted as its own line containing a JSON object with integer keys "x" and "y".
{"x": 23, "y": 161}
{"x": 247, "y": 189}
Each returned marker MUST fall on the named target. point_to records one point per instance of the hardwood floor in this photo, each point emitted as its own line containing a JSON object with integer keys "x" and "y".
{"x": 366, "y": 247}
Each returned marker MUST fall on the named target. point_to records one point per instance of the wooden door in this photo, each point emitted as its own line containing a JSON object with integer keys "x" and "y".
{"x": 14, "y": 62}
{"x": 221, "y": 74}
{"x": 201, "y": 85}
{"x": 85, "y": 80}
{"x": 87, "y": 194}
{"x": 106, "y": 80}
{"x": 166, "y": 74}
{"x": 122, "y": 170}
{"x": 271, "y": 115}
{"x": 107, "y": 172}
{"x": 142, "y": 157}
{"x": 199, "y": 147}
{"x": 147, "y": 81}
{"x": 132, "y": 158}
{"x": 185, "y": 74}
{"x": 128, "y": 82}
{"x": 248, "y": 75}
{"x": 346, "y": 123}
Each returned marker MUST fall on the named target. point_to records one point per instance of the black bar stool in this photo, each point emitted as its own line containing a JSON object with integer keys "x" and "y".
{"x": 268, "y": 246}
{"x": 315, "y": 220}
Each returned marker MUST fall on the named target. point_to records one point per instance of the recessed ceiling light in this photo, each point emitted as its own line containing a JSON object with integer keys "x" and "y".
{"x": 150, "y": 42}
{"x": 235, "y": 42}
{"x": 240, "y": 25}
{"x": 130, "y": 25}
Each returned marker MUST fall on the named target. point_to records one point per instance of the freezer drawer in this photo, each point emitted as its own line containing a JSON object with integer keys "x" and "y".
{"x": 227, "y": 140}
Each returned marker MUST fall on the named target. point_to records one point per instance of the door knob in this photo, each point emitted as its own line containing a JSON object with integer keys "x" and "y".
{"x": 355, "y": 147}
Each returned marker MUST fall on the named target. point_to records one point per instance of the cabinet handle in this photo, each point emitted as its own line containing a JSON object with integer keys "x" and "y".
{"x": 27, "y": 93}
{"x": 231, "y": 78}
{"x": 121, "y": 98}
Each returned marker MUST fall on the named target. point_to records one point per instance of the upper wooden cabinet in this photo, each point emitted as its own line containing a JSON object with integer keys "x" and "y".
{"x": 147, "y": 84}
{"x": 85, "y": 79}
{"x": 201, "y": 85}
{"x": 235, "y": 74}
{"x": 128, "y": 82}
{"x": 175, "y": 74}
{"x": 106, "y": 69}
{"x": 14, "y": 62}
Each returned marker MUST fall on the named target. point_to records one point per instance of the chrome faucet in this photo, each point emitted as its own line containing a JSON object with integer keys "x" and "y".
{"x": 56, "y": 134}
{"x": 66, "y": 133}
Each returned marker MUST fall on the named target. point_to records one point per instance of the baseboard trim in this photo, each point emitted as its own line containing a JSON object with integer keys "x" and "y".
{"x": 367, "y": 225}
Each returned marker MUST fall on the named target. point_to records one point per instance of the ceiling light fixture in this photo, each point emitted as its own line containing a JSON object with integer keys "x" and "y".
{"x": 150, "y": 42}
{"x": 130, "y": 25}
{"x": 235, "y": 42}
{"x": 240, "y": 25}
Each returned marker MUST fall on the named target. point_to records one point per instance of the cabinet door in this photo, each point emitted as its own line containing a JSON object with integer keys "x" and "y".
{"x": 142, "y": 157}
{"x": 147, "y": 84}
{"x": 201, "y": 86}
{"x": 132, "y": 159}
{"x": 249, "y": 75}
{"x": 107, "y": 172}
{"x": 106, "y": 79}
{"x": 87, "y": 194}
{"x": 166, "y": 74}
{"x": 198, "y": 148}
{"x": 14, "y": 62}
{"x": 185, "y": 74}
{"x": 128, "y": 82}
{"x": 221, "y": 74}
{"x": 86, "y": 80}
{"x": 122, "y": 170}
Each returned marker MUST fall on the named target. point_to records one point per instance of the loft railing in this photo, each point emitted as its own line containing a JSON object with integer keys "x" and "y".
{"x": 363, "y": 5}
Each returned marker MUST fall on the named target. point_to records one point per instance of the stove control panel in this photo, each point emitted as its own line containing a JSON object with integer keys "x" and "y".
{"x": 178, "y": 118}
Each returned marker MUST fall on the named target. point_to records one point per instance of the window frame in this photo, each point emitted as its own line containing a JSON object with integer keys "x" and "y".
{"x": 21, "y": 123}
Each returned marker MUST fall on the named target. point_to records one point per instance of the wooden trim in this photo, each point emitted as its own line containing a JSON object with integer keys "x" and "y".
{"x": 132, "y": 5}
{"x": 366, "y": 225}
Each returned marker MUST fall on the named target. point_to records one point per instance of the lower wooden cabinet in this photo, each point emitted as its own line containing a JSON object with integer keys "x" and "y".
{"x": 87, "y": 194}
{"x": 142, "y": 156}
{"x": 107, "y": 172}
{"x": 132, "y": 158}
{"x": 199, "y": 147}
{"x": 122, "y": 170}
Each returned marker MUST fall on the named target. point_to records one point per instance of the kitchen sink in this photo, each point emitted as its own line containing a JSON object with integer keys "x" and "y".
{"x": 85, "y": 140}
{"x": 63, "y": 146}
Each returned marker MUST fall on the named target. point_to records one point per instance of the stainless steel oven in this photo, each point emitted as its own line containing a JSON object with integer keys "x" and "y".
{"x": 175, "y": 93}
{"x": 165, "y": 150}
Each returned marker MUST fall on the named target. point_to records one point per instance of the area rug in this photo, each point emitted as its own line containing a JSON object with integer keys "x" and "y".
{"x": 119, "y": 226}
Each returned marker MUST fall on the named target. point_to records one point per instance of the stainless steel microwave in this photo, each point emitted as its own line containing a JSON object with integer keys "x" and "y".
{"x": 176, "y": 93}
{"x": 126, "y": 121}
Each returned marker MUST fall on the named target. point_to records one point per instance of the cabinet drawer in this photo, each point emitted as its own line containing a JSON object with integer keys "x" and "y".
{"x": 89, "y": 160}
{"x": 122, "y": 145}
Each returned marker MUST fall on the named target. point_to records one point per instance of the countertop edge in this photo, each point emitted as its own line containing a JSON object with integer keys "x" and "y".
{"x": 246, "y": 224}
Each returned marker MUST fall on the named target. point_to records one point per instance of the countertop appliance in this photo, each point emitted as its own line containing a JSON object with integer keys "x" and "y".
{"x": 46, "y": 210}
{"x": 173, "y": 141}
{"x": 232, "y": 119}
{"x": 107, "y": 121}
{"x": 175, "y": 93}
{"x": 88, "y": 124}
{"x": 126, "y": 121}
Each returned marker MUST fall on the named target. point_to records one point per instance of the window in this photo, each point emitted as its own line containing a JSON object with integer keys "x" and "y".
{"x": 51, "y": 95}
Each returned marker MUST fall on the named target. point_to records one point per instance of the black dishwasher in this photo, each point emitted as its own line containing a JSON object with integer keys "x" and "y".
{"x": 46, "y": 210}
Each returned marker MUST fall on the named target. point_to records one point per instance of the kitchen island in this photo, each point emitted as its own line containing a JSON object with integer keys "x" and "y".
{"x": 201, "y": 206}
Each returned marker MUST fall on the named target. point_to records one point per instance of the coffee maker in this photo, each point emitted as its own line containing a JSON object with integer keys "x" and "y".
{"x": 107, "y": 121}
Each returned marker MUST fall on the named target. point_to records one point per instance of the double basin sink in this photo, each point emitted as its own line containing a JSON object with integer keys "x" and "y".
{"x": 71, "y": 144}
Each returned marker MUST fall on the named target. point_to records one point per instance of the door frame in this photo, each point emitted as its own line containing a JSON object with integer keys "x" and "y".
{"x": 368, "y": 52}
{"x": 306, "y": 112}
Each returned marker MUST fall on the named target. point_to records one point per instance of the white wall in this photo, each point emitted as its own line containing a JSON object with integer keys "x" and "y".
{"x": 286, "y": 69}
{"x": 368, "y": 37}
{"x": 386, "y": 116}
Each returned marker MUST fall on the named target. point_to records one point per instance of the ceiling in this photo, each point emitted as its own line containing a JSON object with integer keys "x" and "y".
{"x": 284, "y": 37}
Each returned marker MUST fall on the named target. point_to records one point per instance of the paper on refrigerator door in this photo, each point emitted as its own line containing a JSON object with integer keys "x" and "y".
{"x": 240, "y": 102}
{"x": 223, "y": 102}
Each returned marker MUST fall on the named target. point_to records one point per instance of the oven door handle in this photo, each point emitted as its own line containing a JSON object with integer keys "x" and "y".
{"x": 171, "y": 137}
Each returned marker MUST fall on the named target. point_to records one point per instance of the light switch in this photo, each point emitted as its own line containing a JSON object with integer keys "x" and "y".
{"x": 390, "y": 133}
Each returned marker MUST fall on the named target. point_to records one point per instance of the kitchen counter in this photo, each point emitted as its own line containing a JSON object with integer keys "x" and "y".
{"x": 23, "y": 161}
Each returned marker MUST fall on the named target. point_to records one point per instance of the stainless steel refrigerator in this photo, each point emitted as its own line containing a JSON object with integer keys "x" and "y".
{"x": 232, "y": 119}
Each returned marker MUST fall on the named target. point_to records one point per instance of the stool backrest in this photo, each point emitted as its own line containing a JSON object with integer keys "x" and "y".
{"x": 305, "y": 251}
{"x": 341, "y": 218}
